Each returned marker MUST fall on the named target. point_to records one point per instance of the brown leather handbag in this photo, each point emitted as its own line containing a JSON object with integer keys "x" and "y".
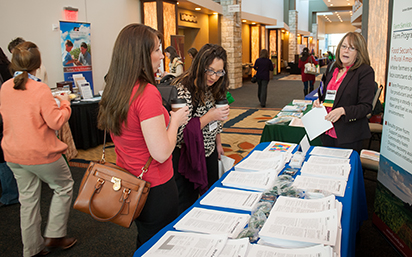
{"x": 110, "y": 193}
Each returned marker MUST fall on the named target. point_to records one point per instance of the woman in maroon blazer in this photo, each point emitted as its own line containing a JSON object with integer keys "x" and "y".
{"x": 307, "y": 79}
{"x": 348, "y": 94}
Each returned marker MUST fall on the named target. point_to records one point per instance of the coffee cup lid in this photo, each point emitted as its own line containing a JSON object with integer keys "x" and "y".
{"x": 178, "y": 101}
{"x": 222, "y": 101}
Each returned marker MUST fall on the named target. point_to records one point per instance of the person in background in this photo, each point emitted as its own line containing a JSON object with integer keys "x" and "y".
{"x": 192, "y": 53}
{"x": 9, "y": 191}
{"x": 175, "y": 64}
{"x": 41, "y": 72}
{"x": 349, "y": 90}
{"x": 307, "y": 79}
{"x": 131, "y": 109}
{"x": 34, "y": 153}
{"x": 66, "y": 56}
{"x": 85, "y": 59}
{"x": 263, "y": 66}
{"x": 199, "y": 146}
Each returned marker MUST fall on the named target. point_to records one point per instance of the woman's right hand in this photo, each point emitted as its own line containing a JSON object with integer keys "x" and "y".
{"x": 63, "y": 96}
{"x": 221, "y": 113}
{"x": 317, "y": 103}
{"x": 180, "y": 116}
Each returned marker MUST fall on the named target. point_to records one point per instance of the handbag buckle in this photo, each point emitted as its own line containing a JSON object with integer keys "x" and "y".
{"x": 117, "y": 183}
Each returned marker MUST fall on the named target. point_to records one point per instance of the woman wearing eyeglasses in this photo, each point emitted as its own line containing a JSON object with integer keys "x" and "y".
{"x": 348, "y": 94}
{"x": 198, "y": 148}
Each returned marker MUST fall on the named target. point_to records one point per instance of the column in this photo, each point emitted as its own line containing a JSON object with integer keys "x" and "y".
{"x": 232, "y": 42}
{"x": 293, "y": 33}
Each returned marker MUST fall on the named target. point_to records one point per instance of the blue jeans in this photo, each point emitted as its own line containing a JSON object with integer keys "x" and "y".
{"x": 306, "y": 84}
{"x": 9, "y": 194}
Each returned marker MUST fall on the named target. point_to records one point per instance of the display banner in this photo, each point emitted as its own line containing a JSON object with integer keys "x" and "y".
{"x": 393, "y": 203}
{"x": 76, "y": 52}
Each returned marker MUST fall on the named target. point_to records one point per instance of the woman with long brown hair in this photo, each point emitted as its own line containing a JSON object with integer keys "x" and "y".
{"x": 131, "y": 110}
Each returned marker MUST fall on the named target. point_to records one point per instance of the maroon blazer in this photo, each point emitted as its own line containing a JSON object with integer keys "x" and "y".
{"x": 355, "y": 95}
{"x": 301, "y": 65}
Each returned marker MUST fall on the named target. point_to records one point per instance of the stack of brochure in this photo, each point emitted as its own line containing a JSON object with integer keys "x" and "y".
{"x": 232, "y": 198}
{"x": 369, "y": 154}
{"x": 294, "y": 108}
{"x": 297, "y": 223}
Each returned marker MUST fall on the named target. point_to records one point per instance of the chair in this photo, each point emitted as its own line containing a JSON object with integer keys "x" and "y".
{"x": 375, "y": 128}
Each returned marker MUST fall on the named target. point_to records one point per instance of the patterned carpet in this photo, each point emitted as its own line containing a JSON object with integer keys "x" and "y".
{"x": 298, "y": 77}
{"x": 241, "y": 133}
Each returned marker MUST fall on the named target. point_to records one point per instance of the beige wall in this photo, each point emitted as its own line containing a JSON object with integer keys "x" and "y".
{"x": 342, "y": 27}
{"x": 196, "y": 34}
{"x": 215, "y": 32}
{"x": 245, "y": 43}
{"x": 378, "y": 39}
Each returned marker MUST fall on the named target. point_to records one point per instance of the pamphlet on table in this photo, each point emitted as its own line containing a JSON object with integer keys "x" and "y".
{"x": 256, "y": 250}
{"x": 331, "y": 152}
{"x": 334, "y": 186}
{"x": 256, "y": 180}
{"x": 232, "y": 198}
{"x": 213, "y": 222}
{"x": 338, "y": 171}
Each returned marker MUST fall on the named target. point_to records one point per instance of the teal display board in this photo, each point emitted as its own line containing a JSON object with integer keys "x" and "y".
{"x": 393, "y": 203}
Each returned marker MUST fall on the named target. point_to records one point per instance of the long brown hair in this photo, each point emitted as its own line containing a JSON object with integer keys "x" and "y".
{"x": 194, "y": 79}
{"x": 131, "y": 63}
{"x": 357, "y": 41}
{"x": 25, "y": 58}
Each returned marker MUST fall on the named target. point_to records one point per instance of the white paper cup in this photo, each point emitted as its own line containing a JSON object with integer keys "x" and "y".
{"x": 177, "y": 106}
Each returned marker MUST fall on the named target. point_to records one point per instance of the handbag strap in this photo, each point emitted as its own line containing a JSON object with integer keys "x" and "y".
{"x": 103, "y": 160}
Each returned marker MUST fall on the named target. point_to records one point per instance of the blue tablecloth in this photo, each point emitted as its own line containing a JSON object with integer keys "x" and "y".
{"x": 312, "y": 95}
{"x": 353, "y": 214}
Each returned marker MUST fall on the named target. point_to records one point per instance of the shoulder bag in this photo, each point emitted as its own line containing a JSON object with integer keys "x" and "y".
{"x": 110, "y": 193}
{"x": 310, "y": 68}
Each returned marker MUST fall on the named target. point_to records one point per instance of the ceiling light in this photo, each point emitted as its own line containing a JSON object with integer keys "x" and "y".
{"x": 253, "y": 23}
{"x": 177, "y": 3}
{"x": 215, "y": 13}
{"x": 244, "y": 20}
{"x": 198, "y": 9}
{"x": 331, "y": 4}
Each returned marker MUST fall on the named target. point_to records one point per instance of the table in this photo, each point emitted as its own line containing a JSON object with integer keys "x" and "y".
{"x": 83, "y": 124}
{"x": 285, "y": 133}
{"x": 354, "y": 210}
{"x": 312, "y": 95}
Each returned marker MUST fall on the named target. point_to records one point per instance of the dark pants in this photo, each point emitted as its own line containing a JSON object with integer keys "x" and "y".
{"x": 305, "y": 86}
{"x": 187, "y": 192}
{"x": 333, "y": 142}
{"x": 262, "y": 91}
{"x": 160, "y": 209}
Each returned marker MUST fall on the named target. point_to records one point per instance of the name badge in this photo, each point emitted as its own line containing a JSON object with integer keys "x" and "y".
{"x": 329, "y": 98}
{"x": 212, "y": 126}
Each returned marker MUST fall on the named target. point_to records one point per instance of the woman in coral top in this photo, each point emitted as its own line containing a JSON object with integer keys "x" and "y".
{"x": 131, "y": 109}
{"x": 34, "y": 153}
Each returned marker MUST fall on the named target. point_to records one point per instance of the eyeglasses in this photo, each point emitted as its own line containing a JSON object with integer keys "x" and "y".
{"x": 344, "y": 47}
{"x": 217, "y": 73}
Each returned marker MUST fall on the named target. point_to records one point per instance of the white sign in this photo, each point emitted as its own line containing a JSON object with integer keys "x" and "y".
{"x": 234, "y": 8}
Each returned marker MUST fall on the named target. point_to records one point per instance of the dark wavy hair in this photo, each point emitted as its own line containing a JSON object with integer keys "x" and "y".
{"x": 357, "y": 41}
{"x": 305, "y": 54}
{"x": 194, "y": 79}
{"x": 193, "y": 52}
{"x": 25, "y": 58}
{"x": 131, "y": 63}
{"x": 172, "y": 51}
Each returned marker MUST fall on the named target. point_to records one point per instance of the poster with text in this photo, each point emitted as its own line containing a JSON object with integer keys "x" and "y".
{"x": 76, "y": 50}
{"x": 393, "y": 203}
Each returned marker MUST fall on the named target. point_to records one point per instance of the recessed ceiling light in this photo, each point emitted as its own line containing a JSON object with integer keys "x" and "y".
{"x": 198, "y": 9}
{"x": 244, "y": 20}
{"x": 215, "y": 13}
{"x": 253, "y": 23}
{"x": 177, "y": 3}
{"x": 331, "y": 4}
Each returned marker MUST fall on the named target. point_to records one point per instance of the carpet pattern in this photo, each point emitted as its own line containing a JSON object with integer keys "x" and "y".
{"x": 241, "y": 133}
{"x": 298, "y": 77}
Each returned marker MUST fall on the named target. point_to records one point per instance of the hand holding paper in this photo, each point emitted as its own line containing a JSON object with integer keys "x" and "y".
{"x": 315, "y": 123}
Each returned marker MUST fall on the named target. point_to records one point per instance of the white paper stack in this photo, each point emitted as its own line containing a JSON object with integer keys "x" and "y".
{"x": 331, "y": 152}
{"x": 262, "y": 160}
{"x": 213, "y": 222}
{"x": 294, "y": 108}
{"x": 316, "y": 228}
{"x": 232, "y": 198}
{"x": 184, "y": 244}
{"x": 301, "y": 102}
{"x": 326, "y": 160}
{"x": 338, "y": 171}
{"x": 267, "y": 251}
{"x": 255, "y": 180}
{"x": 279, "y": 120}
{"x": 235, "y": 248}
{"x": 334, "y": 186}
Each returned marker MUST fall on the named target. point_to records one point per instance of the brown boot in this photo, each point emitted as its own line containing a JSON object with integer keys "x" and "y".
{"x": 59, "y": 243}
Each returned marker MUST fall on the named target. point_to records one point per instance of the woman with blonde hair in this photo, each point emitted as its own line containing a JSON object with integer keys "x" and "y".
{"x": 348, "y": 92}
{"x": 33, "y": 152}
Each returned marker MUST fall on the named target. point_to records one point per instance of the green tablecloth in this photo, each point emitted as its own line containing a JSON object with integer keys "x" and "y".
{"x": 285, "y": 133}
